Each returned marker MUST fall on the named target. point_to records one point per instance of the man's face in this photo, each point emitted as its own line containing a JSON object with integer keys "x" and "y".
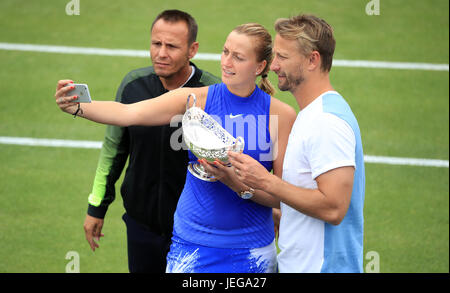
{"x": 288, "y": 64}
{"x": 169, "y": 49}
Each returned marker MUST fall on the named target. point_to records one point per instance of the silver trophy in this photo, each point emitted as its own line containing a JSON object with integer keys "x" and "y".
{"x": 207, "y": 139}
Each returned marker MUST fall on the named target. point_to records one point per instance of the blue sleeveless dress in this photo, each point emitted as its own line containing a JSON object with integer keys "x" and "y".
{"x": 214, "y": 229}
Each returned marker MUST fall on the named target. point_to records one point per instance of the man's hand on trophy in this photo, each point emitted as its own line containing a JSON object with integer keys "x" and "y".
{"x": 249, "y": 171}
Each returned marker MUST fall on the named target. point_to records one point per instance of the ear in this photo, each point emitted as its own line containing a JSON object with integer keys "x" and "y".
{"x": 193, "y": 49}
{"x": 314, "y": 60}
{"x": 260, "y": 67}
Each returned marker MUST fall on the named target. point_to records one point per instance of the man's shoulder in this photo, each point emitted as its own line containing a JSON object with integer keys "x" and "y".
{"x": 207, "y": 78}
{"x": 134, "y": 83}
{"x": 139, "y": 73}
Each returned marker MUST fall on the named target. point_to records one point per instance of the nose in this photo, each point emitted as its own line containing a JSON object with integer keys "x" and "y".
{"x": 274, "y": 66}
{"x": 162, "y": 53}
{"x": 226, "y": 60}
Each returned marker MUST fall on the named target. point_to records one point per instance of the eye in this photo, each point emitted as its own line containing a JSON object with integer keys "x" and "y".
{"x": 282, "y": 57}
{"x": 238, "y": 57}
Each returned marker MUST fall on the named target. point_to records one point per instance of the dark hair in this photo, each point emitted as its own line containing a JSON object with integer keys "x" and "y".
{"x": 174, "y": 15}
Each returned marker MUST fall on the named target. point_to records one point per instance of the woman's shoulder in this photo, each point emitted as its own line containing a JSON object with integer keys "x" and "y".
{"x": 278, "y": 107}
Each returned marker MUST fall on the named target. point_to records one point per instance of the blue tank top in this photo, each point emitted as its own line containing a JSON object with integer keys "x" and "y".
{"x": 210, "y": 213}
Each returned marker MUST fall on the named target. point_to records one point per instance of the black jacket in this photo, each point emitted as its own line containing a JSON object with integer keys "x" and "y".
{"x": 156, "y": 173}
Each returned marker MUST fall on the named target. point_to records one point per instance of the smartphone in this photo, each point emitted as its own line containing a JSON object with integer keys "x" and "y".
{"x": 82, "y": 91}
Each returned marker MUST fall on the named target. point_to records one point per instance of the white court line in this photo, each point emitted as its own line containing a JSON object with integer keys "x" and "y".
{"x": 28, "y": 141}
{"x": 405, "y": 161}
{"x": 209, "y": 56}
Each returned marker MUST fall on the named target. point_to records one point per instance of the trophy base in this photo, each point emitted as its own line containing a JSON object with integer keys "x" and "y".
{"x": 198, "y": 171}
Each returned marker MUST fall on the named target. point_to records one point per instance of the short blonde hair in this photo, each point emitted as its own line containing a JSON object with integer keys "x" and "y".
{"x": 312, "y": 34}
{"x": 263, "y": 48}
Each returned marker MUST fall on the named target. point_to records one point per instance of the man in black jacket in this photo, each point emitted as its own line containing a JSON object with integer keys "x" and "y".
{"x": 157, "y": 164}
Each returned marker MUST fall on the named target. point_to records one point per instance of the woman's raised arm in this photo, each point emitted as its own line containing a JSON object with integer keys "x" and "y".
{"x": 156, "y": 111}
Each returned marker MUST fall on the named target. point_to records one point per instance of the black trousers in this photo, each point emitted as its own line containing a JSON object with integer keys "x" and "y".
{"x": 147, "y": 251}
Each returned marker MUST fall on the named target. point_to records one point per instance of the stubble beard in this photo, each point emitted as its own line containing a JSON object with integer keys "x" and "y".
{"x": 291, "y": 83}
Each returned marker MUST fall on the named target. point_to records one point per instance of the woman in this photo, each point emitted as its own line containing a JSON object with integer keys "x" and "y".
{"x": 215, "y": 230}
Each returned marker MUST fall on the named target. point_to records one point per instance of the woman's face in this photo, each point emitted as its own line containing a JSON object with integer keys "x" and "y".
{"x": 239, "y": 61}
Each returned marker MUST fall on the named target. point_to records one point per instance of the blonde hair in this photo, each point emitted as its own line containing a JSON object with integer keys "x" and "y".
{"x": 312, "y": 34}
{"x": 263, "y": 48}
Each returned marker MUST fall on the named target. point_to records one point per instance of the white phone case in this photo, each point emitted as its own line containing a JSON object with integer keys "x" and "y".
{"x": 82, "y": 91}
